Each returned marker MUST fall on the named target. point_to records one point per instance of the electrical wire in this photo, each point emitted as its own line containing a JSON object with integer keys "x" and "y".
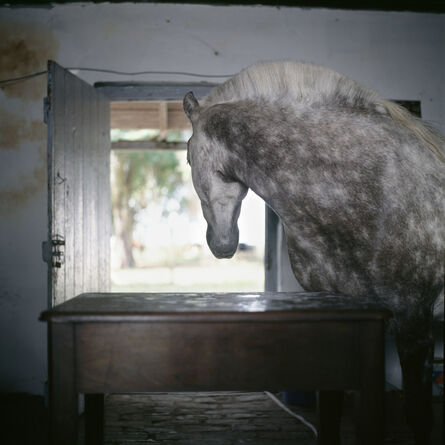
{"x": 285, "y": 408}
{"x": 120, "y": 73}
{"x": 16, "y": 79}
{"x": 138, "y": 73}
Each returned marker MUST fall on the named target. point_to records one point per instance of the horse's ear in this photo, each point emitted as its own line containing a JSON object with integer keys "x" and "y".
{"x": 191, "y": 105}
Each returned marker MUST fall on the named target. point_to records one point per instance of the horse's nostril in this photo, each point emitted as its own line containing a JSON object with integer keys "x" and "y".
{"x": 224, "y": 253}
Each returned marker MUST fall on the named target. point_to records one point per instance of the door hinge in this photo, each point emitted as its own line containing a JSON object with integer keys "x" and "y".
{"x": 46, "y": 107}
{"x": 53, "y": 252}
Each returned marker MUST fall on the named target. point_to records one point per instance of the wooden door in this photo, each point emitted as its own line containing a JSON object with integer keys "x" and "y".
{"x": 79, "y": 204}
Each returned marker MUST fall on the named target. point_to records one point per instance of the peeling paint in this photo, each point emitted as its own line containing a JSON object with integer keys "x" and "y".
{"x": 25, "y": 49}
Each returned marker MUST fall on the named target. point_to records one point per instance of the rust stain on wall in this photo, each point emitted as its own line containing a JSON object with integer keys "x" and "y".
{"x": 14, "y": 128}
{"x": 25, "y": 49}
{"x": 15, "y": 132}
{"x": 12, "y": 200}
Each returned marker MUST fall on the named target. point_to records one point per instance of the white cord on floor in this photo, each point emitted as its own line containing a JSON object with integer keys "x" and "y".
{"x": 300, "y": 418}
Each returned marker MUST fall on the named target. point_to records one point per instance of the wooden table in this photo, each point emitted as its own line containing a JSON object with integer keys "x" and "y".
{"x": 124, "y": 343}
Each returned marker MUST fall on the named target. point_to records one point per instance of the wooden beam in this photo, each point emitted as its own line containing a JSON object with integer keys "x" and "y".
{"x": 138, "y": 91}
{"x": 148, "y": 114}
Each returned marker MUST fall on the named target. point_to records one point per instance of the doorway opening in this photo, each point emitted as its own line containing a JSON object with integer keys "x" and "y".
{"x": 158, "y": 242}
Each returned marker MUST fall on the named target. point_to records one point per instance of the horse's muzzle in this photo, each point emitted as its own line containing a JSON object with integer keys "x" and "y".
{"x": 222, "y": 247}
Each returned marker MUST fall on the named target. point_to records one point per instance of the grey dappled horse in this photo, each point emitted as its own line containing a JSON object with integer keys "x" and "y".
{"x": 357, "y": 182}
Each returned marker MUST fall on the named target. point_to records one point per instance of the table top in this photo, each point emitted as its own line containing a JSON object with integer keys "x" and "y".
{"x": 188, "y": 307}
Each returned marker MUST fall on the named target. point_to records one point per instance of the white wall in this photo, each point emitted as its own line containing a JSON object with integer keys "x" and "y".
{"x": 399, "y": 54}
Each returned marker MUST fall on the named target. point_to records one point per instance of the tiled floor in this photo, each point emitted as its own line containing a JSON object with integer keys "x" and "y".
{"x": 231, "y": 418}
{"x": 197, "y": 418}
{"x": 209, "y": 418}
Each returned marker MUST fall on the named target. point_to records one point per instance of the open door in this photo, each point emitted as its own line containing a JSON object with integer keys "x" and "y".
{"x": 79, "y": 205}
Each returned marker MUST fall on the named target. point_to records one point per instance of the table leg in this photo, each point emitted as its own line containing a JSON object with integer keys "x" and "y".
{"x": 371, "y": 400}
{"x": 94, "y": 419}
{"x": 330, "y": 407}
{"x": 62, "y": 386}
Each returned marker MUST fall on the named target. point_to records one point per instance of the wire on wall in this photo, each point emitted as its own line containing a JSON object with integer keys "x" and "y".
{"x": 120, "y": 73}
{"x": 17, "y": 79}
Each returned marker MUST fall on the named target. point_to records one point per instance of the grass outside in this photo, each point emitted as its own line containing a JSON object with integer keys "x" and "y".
{"x": 223, "y": 276}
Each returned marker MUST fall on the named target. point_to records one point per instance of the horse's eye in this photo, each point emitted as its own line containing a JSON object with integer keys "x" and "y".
{"x": 223, "y": 176}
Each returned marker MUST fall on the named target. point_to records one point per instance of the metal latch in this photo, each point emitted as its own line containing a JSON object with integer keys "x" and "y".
{"x": 53, "y": 252}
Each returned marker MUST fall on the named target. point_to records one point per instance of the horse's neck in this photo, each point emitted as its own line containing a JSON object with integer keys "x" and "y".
{"x": 276, "y": 193}
{"x": 264, "y": 148}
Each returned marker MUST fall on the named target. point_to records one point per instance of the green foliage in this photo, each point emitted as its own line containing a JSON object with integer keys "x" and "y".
{"x": 147, "y": 176}
{"x": 149, "y": 135}
{"x": 140, "y": 178}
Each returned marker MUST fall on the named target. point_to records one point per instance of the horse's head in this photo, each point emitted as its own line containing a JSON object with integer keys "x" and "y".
{"x": 220, "y": 193}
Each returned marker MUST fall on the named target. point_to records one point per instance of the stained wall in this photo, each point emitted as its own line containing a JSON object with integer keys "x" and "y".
{"x": 399, "y": 54}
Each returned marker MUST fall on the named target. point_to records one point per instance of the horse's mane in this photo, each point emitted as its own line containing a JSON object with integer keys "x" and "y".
{"x": 296, "y": 82}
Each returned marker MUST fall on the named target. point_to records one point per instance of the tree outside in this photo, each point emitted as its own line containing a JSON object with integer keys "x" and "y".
{"x": 140, "y": 178}
{"x": 159, "y": 241}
